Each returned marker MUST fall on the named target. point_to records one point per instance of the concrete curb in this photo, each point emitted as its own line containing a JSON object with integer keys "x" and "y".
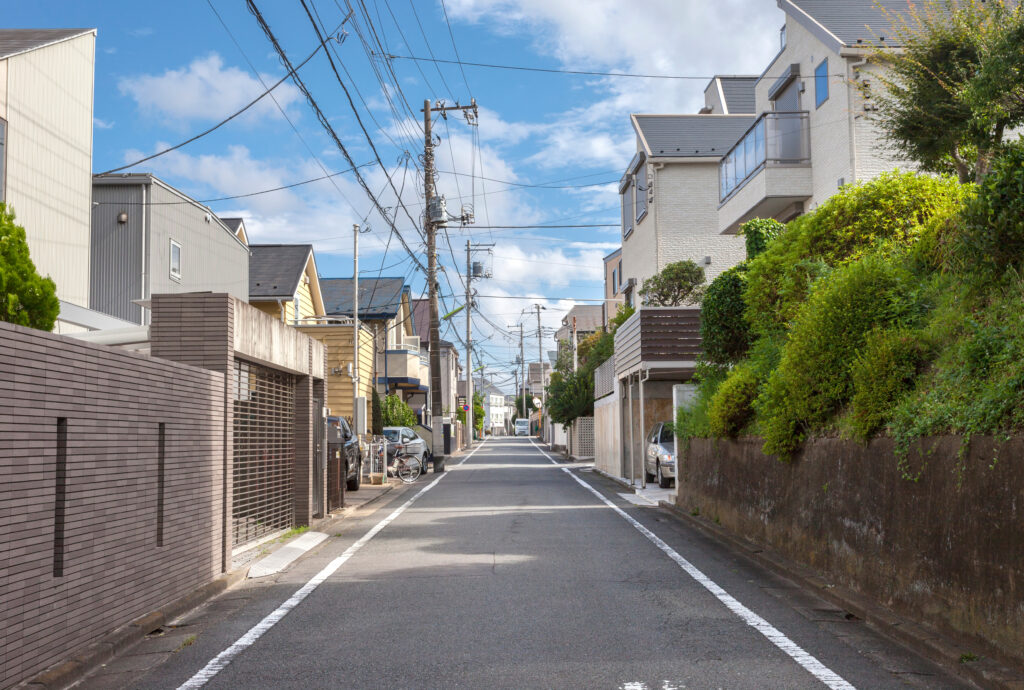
{"x": 985, "y": 672}
{"x": 618, "y": 480}
{"x": 74, "y": 669}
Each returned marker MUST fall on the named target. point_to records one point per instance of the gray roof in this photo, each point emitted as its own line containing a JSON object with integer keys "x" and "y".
{"x": 233, "y": 223}
{"x": 276, "y": 269}
{"x": 739, "y": 94}
{"x": 589, "y": 317}
{"x": 691, "y": 136}
{"x": 14, "y": 41}
{"x": 848, "y": 20}
{"x": 378, "y": 297}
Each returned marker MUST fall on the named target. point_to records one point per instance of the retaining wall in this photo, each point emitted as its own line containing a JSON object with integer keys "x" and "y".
{"x": 947, "y": 549}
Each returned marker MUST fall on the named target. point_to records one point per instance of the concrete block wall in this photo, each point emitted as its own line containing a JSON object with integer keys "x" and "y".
{"x": 96, "y": 536}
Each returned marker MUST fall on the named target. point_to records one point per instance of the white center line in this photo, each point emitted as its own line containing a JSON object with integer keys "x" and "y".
{"x": 826, "y": 675}
{"x": 219, "y": 662}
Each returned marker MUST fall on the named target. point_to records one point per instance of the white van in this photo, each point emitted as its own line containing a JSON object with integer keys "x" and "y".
{"x": 522, "y": 427}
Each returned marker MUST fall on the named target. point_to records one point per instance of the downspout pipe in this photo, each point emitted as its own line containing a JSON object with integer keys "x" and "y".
{"x": 632, "y": 460}
{"x": 646, "y": 374}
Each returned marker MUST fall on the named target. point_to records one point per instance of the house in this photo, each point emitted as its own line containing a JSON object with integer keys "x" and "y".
{"x": 400, "y": 366}
{"x": 812, "y": 134}
{"x": 283, "y": 281}
{"x": 46, "y": 121}
{"x": 534, "y": 383}
{"x": 149, "y": 238}
{"x": 669, "y": 191}
{"x": 613, "y": 283}
{"x": 496, "y": 412}
{"x": 584, "y": 320}
{"x": 450, "y": 367}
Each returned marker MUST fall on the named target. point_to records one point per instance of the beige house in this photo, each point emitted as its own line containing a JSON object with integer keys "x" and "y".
{"x": 613, "y": 284}
{"x": 283, "y": 281}
{"x": 46, "y": 111}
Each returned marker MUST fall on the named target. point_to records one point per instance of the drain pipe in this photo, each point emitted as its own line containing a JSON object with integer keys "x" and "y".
{"x": 643, "y": 428}
{"x": 632, "y": 463}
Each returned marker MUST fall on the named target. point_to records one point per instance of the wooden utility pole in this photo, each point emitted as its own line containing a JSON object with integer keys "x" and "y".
{"x": 543, "y": 389}
{"x": 434, "y": 216}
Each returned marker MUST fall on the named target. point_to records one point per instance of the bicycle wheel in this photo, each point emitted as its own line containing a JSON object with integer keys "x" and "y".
{"x": 407, "y": 469}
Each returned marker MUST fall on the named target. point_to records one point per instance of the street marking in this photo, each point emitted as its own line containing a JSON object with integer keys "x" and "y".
{"x": 826, "y": 675}
{"x": 220, "y": 662}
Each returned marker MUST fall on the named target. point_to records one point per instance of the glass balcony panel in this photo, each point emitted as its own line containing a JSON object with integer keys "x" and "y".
{"x": 781, "y": 138}
{"x": 759, "y": 142}
{"x": 749, "y": 154}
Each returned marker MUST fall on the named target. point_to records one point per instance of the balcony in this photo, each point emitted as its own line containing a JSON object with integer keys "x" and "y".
{"x": 767, "y": 174}
{"x": 403, "y": 367}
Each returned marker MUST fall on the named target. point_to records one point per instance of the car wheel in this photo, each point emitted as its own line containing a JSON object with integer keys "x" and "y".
{"x": 353, "y": 483}
{"x": 664, "y": 482}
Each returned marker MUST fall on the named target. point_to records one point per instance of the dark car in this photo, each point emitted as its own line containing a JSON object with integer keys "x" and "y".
{"x": 343, "y": 444}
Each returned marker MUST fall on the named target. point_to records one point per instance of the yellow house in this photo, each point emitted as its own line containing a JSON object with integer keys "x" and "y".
{"x": 336, "y": 334}
{"x": 283, "y": 282}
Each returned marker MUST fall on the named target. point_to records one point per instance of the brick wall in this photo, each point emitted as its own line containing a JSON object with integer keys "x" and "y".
{"x": 62, "y": 590}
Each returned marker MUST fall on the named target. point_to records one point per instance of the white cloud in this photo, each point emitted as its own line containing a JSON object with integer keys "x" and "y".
{"x": 102, "y": 124}
{"x": 205, "y": 90}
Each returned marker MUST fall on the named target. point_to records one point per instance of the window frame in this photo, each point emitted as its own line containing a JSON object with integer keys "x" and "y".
{"x": 626, "y": 196}
{"x": 819, "y": 80}
{"x": 175, "y": 275}
{"x": 3, "y": 159}
{"x": 640, "y": 195}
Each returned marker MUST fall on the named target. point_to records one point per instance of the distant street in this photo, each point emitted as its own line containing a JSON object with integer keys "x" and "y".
{"x": 509, "y": 572}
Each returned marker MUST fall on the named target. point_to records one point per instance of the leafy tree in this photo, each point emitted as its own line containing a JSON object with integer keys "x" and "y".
{"x": 478, "y": 413}
{"x": 378, "y": 415}
{"x": 955, "y": 87}
{"x": 724, "y": 331}
{"x": 677, "y": 284}
{"x": 395, "y": 412}
{"x": 26, "y": 298}
{"x": 530, "y": 407}
{"x": 570, "y": 396}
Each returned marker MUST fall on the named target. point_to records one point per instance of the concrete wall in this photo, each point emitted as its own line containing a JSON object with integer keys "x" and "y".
{"x": 133, "y": 538}
{"x": 47, "y": 100}
{"x": 606, "y": 433}
{"x": 657, "y": 407}
{"x": 947, "y": 549}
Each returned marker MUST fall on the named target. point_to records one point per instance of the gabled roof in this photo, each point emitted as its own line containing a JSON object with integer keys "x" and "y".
{"x": 16, "y": 41}
{"x": 589, "y": 317}
{"x": 690, "y": 136}
{"x": 276, "y": 269}
{"x": 237, "y": 226}
{"x": 845, "y": 23}
{"x": 378, "y": 297}
{"x": 739, "y": 94}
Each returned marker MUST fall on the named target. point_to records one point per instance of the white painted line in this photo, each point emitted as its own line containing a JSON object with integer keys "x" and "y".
{"x": 638, "y": 500}
{"x": 826, "y": 675}
{"x": 219, "y": 662}
{"x": 286, "y": 555}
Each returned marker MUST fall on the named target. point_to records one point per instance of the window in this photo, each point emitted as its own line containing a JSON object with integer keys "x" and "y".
{"x": 627, "y": 210}
{"x": 175, "y": 260}
{"x": 782, "y": 37}
{"x": 614, "y": 275}
{"x": 821, "y": 83}
{"x": 3, "y": 158}
{"x": 619, "y": 286}
{"x": 641, "y": 192}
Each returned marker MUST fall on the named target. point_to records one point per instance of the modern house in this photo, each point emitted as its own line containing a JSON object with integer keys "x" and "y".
{"x": 669, "y": 191}
{"x": 584, "y": 320}
{"x": 149, "y": 238}
{"x": 46, "y": 121}
{"x": 613, "y": 284}
{"x": 283, "y": 282}
{"x": 813, "y": 133}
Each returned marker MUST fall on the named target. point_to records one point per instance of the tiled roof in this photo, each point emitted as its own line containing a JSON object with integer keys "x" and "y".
{"x": 378, "y": 297}
{"x": 848, "y": 20}
{"x": 232, "y": 223}
{"x": 276, "y": 269}
{"x": 691, "y": 136}
{"x": 739, "y": 94}
{"x": 14, "y": 41}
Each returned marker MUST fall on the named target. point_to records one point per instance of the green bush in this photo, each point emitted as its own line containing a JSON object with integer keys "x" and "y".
{"x": 725, "y": 335}
{"x": 813, "y": 378}
{"x": 692, "y": 422}
{"x": 395, "y": 412}
{"x": 731, "y": 409}
{"x": 377, "y": 426}
{"x": 991, "y": 234}
{"x": 882, "y": 375}
{"x": 26, "y": 298}
{"x": 758, "y": 233}
{"x": 891, "y": 210}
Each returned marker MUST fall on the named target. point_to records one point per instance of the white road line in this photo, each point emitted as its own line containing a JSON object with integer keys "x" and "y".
{"x": 826, "y": 675}
{"x": 219, "y": 662}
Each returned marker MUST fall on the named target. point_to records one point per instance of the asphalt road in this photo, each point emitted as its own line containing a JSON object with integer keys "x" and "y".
{"x": 511, "y": 572}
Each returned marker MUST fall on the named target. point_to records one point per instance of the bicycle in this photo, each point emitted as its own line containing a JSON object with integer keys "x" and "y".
{"x": 407, "y": 467}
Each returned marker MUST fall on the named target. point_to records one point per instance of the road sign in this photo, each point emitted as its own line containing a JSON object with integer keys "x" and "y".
{"x": 536, "y": 403}
{"x": 465, "y": 408}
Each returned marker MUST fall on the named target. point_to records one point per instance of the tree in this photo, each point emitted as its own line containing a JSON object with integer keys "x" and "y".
{"x": 570, "y": 396}
{"x": 955, "y": 86}
{"x": 26, "y": 298}
{"x": 394, "y": 412}
{"x": 677, "y": 284}
{"x": 478, "y": 412}
{"x": 530, "y": 407}
{"x": 378, "y": 415}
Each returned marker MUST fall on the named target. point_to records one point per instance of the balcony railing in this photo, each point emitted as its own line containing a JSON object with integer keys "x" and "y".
{"x": 775, "y": 139}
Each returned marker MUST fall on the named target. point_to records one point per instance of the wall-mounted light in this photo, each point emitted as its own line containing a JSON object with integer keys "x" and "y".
{"x": 122, "y": 217}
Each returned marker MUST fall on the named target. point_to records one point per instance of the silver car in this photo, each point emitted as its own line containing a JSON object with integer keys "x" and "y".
{"x": 405, "y": 439}
{"x": 660, "y": 455}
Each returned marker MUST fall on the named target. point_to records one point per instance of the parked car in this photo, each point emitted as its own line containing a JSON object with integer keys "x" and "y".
{"x": 341, "y": 439}
{"x": 404, "y": 438}
{"x": 522, "y": 427}
{"x": 660, "y": 455}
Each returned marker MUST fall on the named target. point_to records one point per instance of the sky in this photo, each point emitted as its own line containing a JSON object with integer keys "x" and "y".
{"x": 548, "y": 148}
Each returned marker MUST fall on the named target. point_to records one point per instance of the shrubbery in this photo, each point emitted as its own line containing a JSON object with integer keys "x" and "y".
{"x": 725, "y": 335}
{"x": 882, "y": 374}
{"x": 26, "y": 298}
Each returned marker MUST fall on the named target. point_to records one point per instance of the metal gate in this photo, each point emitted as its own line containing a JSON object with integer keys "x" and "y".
{"x": 264, "y": 452}
{"x": 319, "y": 456}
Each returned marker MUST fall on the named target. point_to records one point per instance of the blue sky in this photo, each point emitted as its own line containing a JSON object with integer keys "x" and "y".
{"x": 165, "y": 71}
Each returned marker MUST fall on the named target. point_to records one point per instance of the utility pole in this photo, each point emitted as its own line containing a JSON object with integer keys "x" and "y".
{"x": 435, "y": 216}
{"x": 543, "y": 389}
{"x": 575, "y": 347}
{"x": 355, "y": 330}
{"x": 469, "y": 347}
{"x": 522, "y": 364}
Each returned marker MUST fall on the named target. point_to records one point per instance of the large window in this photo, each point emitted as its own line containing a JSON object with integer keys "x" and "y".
{"x": 821, "y": 83}
{"x": 3, "y": 159}
{"x": 175, "y": 260}
{"x": 641, "y": 192}
{"x": 627, "y": 209}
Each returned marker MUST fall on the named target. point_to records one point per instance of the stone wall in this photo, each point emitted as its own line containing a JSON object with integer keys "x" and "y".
{"x": 947, "y": 549}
